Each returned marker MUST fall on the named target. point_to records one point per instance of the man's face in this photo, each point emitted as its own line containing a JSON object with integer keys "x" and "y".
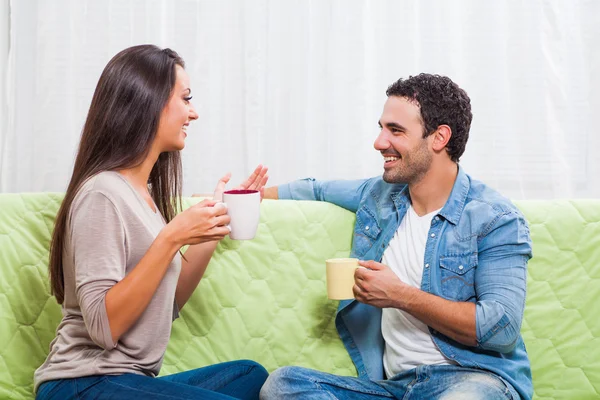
{"x": 407, "y": 156}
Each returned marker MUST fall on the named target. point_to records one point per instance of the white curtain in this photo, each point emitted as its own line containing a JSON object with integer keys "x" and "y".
{"x": 4, "y": 46}
{"x": 300, "y": 85}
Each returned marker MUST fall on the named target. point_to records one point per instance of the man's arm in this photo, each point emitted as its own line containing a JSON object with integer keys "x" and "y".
{"x": 271, "y": 193}
{"x": 494, "y": 321}
{"x": 343, "y": 193}
{"x": 379, "y": 286}
{"x": 501, "y": 283}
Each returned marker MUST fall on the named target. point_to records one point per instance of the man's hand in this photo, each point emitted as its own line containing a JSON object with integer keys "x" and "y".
{"x": 377, "y": 285}
{"x": 256, "y": 181}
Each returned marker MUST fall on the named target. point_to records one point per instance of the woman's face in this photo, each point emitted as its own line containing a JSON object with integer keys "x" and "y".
{"x": 176, "y": 116}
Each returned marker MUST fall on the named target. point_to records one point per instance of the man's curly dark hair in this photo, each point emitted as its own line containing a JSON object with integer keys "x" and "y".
{"x": 441, "y": 102}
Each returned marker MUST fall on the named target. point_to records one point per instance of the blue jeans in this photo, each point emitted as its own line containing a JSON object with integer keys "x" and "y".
{"x": 231, "y": 380}
{"x": 443, "y": 382}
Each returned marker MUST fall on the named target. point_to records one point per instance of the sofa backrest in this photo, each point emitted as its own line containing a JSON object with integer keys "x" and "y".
{"x": 265, "y": 299}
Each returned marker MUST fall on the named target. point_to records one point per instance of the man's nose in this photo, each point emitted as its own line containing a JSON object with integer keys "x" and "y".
{"x": 381, "y": 142}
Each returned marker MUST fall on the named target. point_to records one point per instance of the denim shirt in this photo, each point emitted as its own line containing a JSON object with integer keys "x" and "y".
{"x": 477, "y": 250}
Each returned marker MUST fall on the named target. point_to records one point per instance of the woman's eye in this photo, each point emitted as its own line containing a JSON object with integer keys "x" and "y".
{"x": 187, "y": 98}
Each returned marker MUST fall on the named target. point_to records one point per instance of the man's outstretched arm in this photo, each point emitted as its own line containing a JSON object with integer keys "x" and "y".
{"x": 343, "y": 193}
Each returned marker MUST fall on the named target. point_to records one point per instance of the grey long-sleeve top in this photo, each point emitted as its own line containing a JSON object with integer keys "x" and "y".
{"x": 110, "y": 228}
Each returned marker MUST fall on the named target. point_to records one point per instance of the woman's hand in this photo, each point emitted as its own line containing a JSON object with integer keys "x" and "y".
{"x": 207, "y": 221}
{"x": 256, "y": 181}
{"x": 203, "y": 222}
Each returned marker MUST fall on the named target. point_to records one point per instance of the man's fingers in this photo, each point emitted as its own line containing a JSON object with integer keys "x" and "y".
{"x": 361, "y": 273}
{"x": 372, "y": 265}
{"x": 358, "y": 293}
{"x": 257, "y": 181}
{"x": 263, "y": 181}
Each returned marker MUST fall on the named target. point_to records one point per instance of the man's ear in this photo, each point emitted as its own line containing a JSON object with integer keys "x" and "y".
{"x": 441, "y": 137}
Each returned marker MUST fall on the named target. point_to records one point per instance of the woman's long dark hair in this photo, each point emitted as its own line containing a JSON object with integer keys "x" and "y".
{"x": 119, "y": 130}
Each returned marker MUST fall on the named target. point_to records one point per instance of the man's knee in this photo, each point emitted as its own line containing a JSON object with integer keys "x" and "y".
{"x": 285, "y": 382}
{"x": 477, "y": 386}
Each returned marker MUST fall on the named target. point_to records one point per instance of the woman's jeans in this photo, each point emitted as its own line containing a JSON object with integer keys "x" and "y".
{"x": 235, "y": 379}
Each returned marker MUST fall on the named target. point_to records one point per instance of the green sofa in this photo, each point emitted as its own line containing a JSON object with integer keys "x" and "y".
{"x": 265, "y": 299}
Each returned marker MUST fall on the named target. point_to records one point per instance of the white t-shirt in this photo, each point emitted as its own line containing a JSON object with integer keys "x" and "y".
{"x": 408, "y": 342}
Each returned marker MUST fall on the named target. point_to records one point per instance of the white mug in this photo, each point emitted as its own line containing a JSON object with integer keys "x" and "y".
{"x": 243, "y": 207}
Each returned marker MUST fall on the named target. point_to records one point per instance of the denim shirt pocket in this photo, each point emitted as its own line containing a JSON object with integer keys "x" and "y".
{"x": 366, "y": 231}
{"x": 457, "y": 276}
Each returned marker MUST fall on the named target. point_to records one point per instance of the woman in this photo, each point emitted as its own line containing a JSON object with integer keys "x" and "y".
{"x": 114, "y": 260}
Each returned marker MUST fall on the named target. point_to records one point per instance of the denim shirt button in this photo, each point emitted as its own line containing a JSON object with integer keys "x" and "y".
{"x": 366, "y": 228}
{"x": 433, "y": 235}
{"x": 460, "y": 267}
{"x": 426, "y": 265}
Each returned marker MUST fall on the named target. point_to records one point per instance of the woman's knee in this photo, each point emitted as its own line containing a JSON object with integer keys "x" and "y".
{"x": 255, "y": 369}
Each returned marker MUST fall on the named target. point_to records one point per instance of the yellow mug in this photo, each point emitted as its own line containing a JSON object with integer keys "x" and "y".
{"x": 340, "y": 277}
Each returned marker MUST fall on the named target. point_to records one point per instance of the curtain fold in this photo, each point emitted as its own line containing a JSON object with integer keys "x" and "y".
{"x": 299, "y": 85}
{"x": 4, "y": 47}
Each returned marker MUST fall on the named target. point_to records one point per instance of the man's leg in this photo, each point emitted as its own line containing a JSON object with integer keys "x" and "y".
{"x": 454, "y": 382}
{"x": 240, "y": 379}
{"x": 302, "y": 383}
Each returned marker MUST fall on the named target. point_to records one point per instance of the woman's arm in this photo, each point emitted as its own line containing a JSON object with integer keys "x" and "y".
{"x": 193, "y": 267}
{"x": 197, "y": 257}
{"x": 127, "y": 300}
{"x": 111, "y": 301}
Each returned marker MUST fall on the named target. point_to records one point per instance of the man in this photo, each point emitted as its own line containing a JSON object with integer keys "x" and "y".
{"x": 440, "y": 301}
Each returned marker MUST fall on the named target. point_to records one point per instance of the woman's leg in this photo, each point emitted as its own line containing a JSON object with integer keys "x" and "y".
{"x": 59, "y": 389}
{"x": 126, "y": 387}
{"x": 240, "y": 379}
{"x": 132, "y": 386}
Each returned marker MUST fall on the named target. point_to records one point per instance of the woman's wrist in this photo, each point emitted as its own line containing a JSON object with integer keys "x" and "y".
{"x": 169, "y": 239}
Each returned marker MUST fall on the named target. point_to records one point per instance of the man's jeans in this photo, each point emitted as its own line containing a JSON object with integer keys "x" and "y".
{"x": 236, "y": 379}
{"x": 444, "y": 382}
